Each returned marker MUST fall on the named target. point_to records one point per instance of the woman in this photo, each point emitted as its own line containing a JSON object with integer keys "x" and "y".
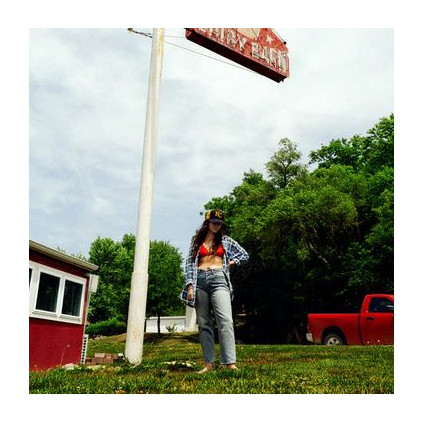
{"x": 208, "y": 286}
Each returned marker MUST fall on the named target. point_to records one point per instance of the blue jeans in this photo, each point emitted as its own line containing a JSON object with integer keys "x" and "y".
{"x": 213, "y": 293}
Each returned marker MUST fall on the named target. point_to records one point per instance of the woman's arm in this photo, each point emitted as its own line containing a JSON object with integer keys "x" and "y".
{"x": 236, "y": 254}
{"x": 189, "y": 266}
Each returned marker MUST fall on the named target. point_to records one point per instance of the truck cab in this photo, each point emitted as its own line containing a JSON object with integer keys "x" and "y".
{"x": 376, "y": 320}
{"x": 373, "y": 325}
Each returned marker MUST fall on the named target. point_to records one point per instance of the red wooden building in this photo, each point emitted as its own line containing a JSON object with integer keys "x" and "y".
{"x": 59, "y": 291}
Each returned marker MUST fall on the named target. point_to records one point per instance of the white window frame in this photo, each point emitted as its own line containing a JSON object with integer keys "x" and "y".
{"x": 31, "y": 267}
{"x": 63, "y": 277}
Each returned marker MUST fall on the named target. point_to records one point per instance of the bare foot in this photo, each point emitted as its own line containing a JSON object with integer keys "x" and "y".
{"x": 207, "y": 368}
{"x": 232, "y": 367}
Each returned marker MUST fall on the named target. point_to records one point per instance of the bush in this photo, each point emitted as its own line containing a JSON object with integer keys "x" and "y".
{"x": 171, "y": 328}
{"x": 109, "y": 327}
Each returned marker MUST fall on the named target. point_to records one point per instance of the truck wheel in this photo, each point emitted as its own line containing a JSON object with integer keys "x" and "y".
{"x": 333, "y": 339}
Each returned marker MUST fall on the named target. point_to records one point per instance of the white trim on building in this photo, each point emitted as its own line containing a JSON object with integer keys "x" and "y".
{"x": 55, "y": 295}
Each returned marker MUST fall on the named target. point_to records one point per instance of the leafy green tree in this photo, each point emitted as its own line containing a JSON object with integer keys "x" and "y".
{"x": 251, "y": 196}
{"x": 371, "y": 260}
{"x": 166, "y": 278}
{"x": 115, "y": 260}
{"x": 367, "y": 153}
{"x": 111, "y": 298}
{"x": 370, "y": 256}
{"x": 339, "y": 152}
{"x": 380, "y": 143}
{"x": 302, "y": 234}
{"x": 284, "y": 165}
{"x": 318, "y": 241}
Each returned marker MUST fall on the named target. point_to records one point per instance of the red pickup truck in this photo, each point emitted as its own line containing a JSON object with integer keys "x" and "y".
{"x": 373, "y": 325}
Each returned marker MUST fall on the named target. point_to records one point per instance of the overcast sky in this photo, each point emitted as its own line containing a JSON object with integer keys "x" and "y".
{"x": 87, "y": 114}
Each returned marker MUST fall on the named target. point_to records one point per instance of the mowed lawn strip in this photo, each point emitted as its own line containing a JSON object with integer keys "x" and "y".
{"x": 170, "y": 361}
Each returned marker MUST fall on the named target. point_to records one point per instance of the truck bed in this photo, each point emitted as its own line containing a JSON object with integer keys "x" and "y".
{"x": 348, "y": 323}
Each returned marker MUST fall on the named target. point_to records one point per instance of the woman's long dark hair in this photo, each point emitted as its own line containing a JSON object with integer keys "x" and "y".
{"x": 200, "y": 237}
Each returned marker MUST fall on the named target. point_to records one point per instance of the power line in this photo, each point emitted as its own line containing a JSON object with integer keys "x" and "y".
{"x": 146, "y": 34}
{"x": 210, "y": 57}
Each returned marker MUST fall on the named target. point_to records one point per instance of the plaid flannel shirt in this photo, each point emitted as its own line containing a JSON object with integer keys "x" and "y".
{"x": 232, "y": 252}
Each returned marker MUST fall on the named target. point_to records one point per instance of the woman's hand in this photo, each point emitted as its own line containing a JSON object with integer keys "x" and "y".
{"x": 190, "y": 292}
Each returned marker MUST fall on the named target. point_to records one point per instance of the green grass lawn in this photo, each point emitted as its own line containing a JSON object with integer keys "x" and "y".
{"x": 263, "y": 369}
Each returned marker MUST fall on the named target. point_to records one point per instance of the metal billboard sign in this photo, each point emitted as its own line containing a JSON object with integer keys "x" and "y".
{"x": 258, "y": 49}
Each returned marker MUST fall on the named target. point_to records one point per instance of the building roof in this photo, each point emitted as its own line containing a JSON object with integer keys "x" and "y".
{"x": 56, "y": 254}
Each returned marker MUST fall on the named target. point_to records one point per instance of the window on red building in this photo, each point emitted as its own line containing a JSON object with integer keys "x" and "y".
{"x": 55, "y": 295}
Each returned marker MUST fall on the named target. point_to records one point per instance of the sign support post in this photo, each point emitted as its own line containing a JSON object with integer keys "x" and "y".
{"x": 140, "y": 276}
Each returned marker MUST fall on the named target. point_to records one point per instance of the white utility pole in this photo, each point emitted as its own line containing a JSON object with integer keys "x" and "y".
{"x": 140, "y": 276}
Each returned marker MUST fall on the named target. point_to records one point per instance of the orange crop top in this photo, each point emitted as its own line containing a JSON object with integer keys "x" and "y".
{"x": 204, "y": 252}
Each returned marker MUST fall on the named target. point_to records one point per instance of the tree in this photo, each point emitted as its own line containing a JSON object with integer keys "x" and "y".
{"x": 370, "y": 257}
{"x": 115, "y": 267}
{"x": 339, "y": 152}
{"x": 284, "y": 165}
{"x": 367, "y": 153}
{"x": 116, "y": 259}
{"x": 251, "y": 196}
{"x": 318, "y": 241}
{"x": 166, "y": 278}
{"x": 301, "y": 236}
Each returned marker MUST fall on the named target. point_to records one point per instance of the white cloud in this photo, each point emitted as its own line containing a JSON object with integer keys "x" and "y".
{"x": 87, "y": 111}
